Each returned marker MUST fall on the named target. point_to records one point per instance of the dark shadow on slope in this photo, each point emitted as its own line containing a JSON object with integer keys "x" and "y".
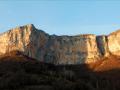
{"x": 20, "y": 73}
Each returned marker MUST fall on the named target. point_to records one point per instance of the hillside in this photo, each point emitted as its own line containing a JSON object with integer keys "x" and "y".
{"x": 19, "y": 72}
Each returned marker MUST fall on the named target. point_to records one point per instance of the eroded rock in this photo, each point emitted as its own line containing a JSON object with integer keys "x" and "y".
{"x": 59, "y": 49}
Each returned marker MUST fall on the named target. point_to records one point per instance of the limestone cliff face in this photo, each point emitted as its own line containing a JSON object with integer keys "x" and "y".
{"x": 26, "y": 39}
{"x": 59, "y": 49}
{"x": 114, "y": 43}
{"x": 71, "y": 49}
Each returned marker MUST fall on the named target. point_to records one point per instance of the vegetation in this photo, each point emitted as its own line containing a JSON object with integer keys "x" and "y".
{"x": 22, "y": 73}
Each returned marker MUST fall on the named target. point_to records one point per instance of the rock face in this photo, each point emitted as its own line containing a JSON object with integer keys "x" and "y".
{"x": 114, "y": 43}
{"x": 59, "y": 49}
{"x": 102, "y": 44}
{"x": 71, "y": 49}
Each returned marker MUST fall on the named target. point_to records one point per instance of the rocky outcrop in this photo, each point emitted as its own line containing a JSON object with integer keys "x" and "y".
{"x": 72, "y": 49}
{"x": 59, "y": 49}
{"x": 26, "y": 39}
{"x": 114, "y": 43}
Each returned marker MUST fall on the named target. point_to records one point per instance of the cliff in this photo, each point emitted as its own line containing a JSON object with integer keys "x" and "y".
{"x": 59, "y": 49}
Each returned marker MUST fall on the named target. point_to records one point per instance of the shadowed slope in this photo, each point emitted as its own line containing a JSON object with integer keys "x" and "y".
{"x": 108, "y": 63}
{"x": 19, "y": 72}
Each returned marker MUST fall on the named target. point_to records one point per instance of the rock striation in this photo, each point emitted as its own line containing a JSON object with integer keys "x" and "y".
{"x": 55, "y": 49}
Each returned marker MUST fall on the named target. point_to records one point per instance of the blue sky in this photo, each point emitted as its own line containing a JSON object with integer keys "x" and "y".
{"x": 62, "y": 17}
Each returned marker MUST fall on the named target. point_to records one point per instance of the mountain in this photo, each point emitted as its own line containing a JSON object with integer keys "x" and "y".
{"x": 78, "y": 49}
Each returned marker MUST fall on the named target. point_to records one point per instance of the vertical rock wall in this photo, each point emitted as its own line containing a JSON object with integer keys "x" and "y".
{"x": 114, "y": 43}
{"x": 59, "y": 49}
